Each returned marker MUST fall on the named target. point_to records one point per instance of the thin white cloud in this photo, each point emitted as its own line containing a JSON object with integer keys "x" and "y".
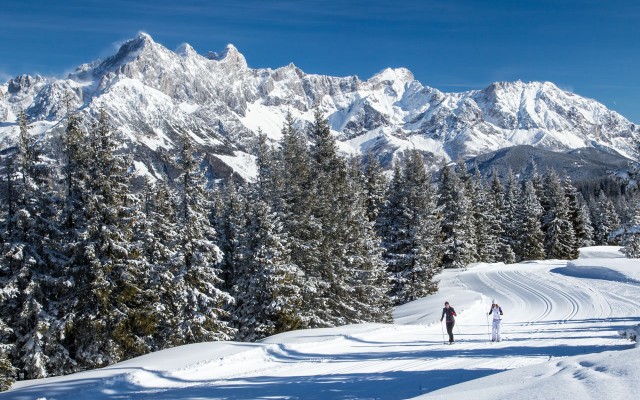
{"x": 4, "y": 77}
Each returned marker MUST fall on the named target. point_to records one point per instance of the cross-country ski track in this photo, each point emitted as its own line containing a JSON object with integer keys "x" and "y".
{"x": 560, "y": 327}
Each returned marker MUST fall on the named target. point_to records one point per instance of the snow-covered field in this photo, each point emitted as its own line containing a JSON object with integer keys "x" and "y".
{"x": 561, "y": 339}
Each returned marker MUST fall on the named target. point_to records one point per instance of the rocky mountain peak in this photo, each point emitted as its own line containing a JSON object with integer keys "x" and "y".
{"x": 402, "y": 75}
{"x": 23, "y": 83}
{"x": 230, "y": 55}
{"x": 134, "y": 47}
{"x": 185, "y": 51}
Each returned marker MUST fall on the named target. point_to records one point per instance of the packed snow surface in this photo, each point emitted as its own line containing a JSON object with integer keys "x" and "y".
{"x": 561, "y": 333}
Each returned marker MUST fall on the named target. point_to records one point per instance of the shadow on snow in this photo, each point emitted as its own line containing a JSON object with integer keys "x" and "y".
{"x": 383, "y": 385}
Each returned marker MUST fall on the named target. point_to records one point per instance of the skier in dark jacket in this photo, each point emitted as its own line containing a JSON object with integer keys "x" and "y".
{"x": 449, "y": 313}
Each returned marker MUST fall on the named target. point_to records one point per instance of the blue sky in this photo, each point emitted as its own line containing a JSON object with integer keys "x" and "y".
{"x": 590, "y": 47}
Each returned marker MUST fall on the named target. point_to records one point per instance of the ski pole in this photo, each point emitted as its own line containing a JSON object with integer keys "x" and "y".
{"x": 488, "y": 332}
{"x": 442, "y": 329}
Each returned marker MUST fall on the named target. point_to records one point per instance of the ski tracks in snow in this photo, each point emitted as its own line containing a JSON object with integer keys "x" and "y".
{"x": 538, "y": 304}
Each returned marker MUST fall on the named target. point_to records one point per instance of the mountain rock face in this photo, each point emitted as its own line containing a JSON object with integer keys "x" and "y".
{"x": 154, "y": 96}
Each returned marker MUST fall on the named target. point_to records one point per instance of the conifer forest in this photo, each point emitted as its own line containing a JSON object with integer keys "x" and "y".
{"x": 95, "y": 270}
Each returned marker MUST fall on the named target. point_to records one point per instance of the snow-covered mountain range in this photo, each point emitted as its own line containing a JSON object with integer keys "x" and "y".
{"x": 154, "y": 95}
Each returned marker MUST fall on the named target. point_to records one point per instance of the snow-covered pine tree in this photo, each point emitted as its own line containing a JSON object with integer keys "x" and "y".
{"x": 269, "y": 178}
{"x": 538, "y": 184}
{"x": 29, "y": 245}
{"x": 410, "y": 231}
{"x": 300, "y": 224}
{"x": 236, "y": 267}
{"x": 295, "y": 168}
{"x": 49, "y": 274}
{"x": 605, "y": 220}
{"x": 21, "y": 306}
{"x": 394, "y": 231}
{"x": 329, "y": 207}
{"x": 157, "y": 238}
{"x": 456, "y": 225}
{"x": 486, "y": 243}
{"x": 580, "y": 220}
{"x": 73, "y": 222}
{"x": 469, "y": 189}
{"x": 75, "y": 170}
{"x": 268, "y": 292}
{"x": 112, "y": 321}
{"x": 532, "y": 237}
{"x": 348, "y": 253}
{"x": 231, "y": 228}
{"x": 266, "y": 284}
{"x": 368, "y": 276}
{"x": 9, "y": 204}
{"x": 202, "y": 304}
{"x": 496, "y": 214}
{"x": 375, "y": 184}
{"x": 512, "y": 201}
{"x": 631, "y": 235}
{"x": 589, "y": 231}
{"x": 560, "y": 241}
{"x": 7, "y": 370}
{"x": 537, "y": 181}
{"x": 426, "y": 247}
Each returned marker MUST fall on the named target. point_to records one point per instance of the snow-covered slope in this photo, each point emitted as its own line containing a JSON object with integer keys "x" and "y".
{"x": 155, "y": 95}
{"x": 561, "y": 336}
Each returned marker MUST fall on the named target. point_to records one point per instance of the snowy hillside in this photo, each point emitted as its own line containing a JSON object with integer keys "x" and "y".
{"x": 561, "y": 338}
{"x": 154, "y": 95}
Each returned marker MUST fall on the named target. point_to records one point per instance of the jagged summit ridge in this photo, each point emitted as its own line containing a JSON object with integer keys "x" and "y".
{"x": 154, "y": 95}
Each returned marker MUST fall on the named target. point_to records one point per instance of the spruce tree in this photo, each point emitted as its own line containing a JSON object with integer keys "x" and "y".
{"x": 410, "y": 232}
{"x": 375, "y": 183}
{"x": 363, "y": 255}
{"x": 538, "y": 183}
{"x": 486, "y": 246}
{"x": 269, "y": 178}
{"x": 300, "y": 224}
{"x": 29, "y": 247}
{"x": 269, "y": 291}
{"x": 605, "y": 220}
{"x": 113, "y": 307}
{"x": 504, "y": 251}
{"x": 456, "y": 224}
{"x": 585, "y": 215}
{"x": 511, "y": 217}
{"x": 394, "y": 231}
{"x": 329, "y": 207}
{"x": 581, "y": 222}
{"x": 532, "y": 237}
{"x": 157, "y": 237}
{"x": 469, "y": 190}
{"x": 231, "y": 227}
{"x": 7, "y": 370}
{"x": 560, "y": 241}
{"x": 202, "y": 303}
{"x": 348, "y": 254}
{"x": 76, "y": 180}
{"x": 631, "y": 236}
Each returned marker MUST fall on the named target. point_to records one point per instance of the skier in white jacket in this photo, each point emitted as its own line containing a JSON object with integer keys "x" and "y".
{"x": 496, "y": 310}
